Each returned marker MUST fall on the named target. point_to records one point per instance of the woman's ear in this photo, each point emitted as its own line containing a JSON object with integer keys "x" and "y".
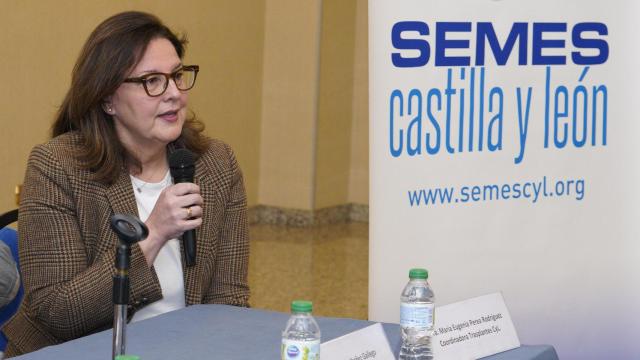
{"x": 107, "y": 106}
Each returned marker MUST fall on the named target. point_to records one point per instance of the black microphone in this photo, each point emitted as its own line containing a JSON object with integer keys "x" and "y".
{"x": 182, "y": 167}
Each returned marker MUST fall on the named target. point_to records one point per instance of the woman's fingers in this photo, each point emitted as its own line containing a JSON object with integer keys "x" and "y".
{"x": 192, "y": 223}
{"x": 193, "y": 212}
{"x": 178, "y": 209}
{"x": 188, "y": 200}
{"x": 183, "y": 189}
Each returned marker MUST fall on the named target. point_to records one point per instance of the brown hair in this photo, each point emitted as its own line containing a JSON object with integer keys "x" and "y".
{"x": 112, "y": 49}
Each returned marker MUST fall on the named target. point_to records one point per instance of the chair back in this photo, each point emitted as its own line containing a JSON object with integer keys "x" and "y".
{"x": 8, "y": 218}
{"x": 10, "y": 237}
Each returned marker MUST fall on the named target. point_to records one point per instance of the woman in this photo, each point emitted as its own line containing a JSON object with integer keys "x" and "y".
{"x": 125, "y": 111}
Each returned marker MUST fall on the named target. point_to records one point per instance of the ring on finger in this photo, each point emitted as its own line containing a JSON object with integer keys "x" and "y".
{"x": 189, "y": 212}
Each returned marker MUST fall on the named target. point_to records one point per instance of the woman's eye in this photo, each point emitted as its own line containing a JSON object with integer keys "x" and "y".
{"x": 154, "y": 80}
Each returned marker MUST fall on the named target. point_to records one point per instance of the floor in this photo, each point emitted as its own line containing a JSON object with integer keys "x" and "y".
{"x": 326, "y": 264}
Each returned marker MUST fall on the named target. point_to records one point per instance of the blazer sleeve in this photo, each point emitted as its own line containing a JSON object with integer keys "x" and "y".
{"x": 230, "y": 285}
{"x": 67, "y": 295}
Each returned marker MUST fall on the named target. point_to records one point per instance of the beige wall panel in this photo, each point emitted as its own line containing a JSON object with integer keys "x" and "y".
{"x": 359, "y": 169}
{"x": 41, "y": 40}
{"x": 335, "y": 103}
{"x": 289, "y": 103}
{"x": 226, "y": 39}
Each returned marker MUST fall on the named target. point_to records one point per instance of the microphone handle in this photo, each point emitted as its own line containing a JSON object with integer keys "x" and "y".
{"x": 189, "y": 236}
{"x": 189, "y": 244}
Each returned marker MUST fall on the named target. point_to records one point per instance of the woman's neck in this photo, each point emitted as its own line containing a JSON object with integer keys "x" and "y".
{"x": 153, "y": 166}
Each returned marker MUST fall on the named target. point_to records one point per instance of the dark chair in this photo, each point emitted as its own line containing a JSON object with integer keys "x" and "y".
{"x": 8, "y": 218}
{"x": 10, "y": 237}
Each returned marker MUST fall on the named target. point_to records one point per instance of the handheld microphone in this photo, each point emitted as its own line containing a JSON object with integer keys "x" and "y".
{"x": 182, "y": 167}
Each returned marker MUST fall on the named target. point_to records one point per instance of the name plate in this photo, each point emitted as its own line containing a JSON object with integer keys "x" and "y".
{"x": 473, "y": 329}
{"x": 365, "y": 344}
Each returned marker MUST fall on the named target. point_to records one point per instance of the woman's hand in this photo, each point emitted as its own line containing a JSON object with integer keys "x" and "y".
{"x": 178, "y": 209}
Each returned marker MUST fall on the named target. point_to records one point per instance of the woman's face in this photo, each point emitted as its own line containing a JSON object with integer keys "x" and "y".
{"x": 142, "y": 121}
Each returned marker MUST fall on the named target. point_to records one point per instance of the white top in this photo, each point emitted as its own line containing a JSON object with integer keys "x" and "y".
{"x": 168, "y": 263}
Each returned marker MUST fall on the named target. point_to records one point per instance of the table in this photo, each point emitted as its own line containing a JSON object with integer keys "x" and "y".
{"x": 229, "y": 333}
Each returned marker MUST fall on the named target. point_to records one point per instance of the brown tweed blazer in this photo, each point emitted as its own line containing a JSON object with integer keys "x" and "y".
{"x": 67, "y": 248}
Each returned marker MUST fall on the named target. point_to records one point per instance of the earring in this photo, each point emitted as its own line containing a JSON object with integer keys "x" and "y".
{"x": 107, "y": 105}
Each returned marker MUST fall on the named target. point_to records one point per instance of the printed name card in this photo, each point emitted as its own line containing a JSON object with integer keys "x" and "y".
{"x": 473, "y": 329}
{"x": 369, "y": 343}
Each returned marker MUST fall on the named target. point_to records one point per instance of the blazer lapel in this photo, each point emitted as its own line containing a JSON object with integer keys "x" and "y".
{"x": 121, "y": 197}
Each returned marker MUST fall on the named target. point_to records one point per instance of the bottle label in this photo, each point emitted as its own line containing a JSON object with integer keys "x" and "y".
{"x": 416, "y": 315}
{"x": 300, "y": 350}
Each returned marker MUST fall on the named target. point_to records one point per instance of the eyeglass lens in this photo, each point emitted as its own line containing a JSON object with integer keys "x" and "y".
{"x": 156, "y": 84}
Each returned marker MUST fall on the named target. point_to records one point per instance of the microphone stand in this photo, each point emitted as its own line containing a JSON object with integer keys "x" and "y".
{"x": 130, "y": 230}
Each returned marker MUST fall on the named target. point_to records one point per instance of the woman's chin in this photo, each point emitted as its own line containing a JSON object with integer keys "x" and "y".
{"x": 169, "y": 136}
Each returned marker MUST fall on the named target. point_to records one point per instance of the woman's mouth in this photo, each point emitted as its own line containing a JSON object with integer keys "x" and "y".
{"x": 170, "y": 116}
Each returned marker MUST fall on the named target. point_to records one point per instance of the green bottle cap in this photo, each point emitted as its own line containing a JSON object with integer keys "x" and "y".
{"x": 127, "y": 357}
{"x": 418, "y": 273}
{"x": 299, "y": 306}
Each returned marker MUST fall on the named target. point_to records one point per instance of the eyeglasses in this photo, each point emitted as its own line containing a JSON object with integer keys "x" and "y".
{"x": 155, "y": 84}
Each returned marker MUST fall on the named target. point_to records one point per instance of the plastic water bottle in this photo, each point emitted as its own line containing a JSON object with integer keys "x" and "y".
{"x": 416, "y": 317}
{"x": 301, "y": 337}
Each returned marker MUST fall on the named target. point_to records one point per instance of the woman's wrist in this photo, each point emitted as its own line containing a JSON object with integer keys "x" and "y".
{"x": 150, "y": 247}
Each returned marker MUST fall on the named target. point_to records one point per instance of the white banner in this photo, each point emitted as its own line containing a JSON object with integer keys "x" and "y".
{"x": 503, "y": 158}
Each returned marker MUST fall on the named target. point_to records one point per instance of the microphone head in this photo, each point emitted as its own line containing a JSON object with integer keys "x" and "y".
{"x": 129, "y": 228}
{"x": 182, "y": 165}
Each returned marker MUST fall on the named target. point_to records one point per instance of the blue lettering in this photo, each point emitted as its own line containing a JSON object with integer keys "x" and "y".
{"x": 505, "y": 191}
{"x": 486, "y": 32}
{"x": 589, "y": 42}
{"x": 415, "y": 197}
{"x": 562, "y": 105}
{"x": 581, "y": 43}
{"x": 475, "y": 193}
{"x": 578, "y": 140}
{"x": 599, "y": 90}
{"x": 496, "y": 120}
{"x": 539, "y": 44}
{"x": 410, "y": 44}
{"x": 580, "y": 189}
{"x": 516, "y": 190}
{"x": 396, "y": 94}
{"x": 417, "y": 123}
{"x": 464, "y": 192}
{"x": 435, "y": 148}
{"x": 560, "y": 140}
{"x": 442, "y": 43}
